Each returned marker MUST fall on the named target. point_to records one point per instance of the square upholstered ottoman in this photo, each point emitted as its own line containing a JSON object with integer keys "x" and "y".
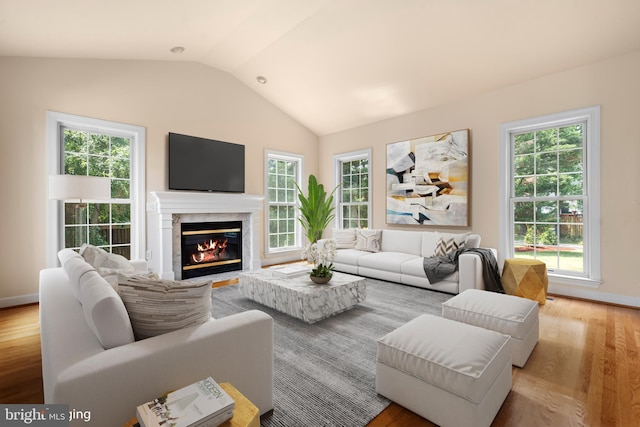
{"x": 507, "y": 314}
{"x": 448, "y": 372}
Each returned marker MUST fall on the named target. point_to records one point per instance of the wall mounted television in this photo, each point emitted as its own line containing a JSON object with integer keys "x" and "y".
{"x": 200, "y": 164}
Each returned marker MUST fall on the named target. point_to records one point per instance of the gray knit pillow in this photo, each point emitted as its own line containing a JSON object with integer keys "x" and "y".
{"x": 156, "y": 307}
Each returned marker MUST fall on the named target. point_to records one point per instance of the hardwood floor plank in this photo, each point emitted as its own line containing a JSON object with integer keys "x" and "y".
{"x": 584, "y": 371}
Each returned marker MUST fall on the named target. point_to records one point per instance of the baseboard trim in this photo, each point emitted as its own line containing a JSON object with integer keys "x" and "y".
{"x": 19, "y": 300}
{"x": 588, "y": 294}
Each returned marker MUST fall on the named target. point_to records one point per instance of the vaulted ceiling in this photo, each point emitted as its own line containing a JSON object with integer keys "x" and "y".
{"x": 336, "y": 64}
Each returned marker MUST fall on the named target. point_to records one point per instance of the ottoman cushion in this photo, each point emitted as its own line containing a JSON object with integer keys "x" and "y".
{"x": 507, "y": 314}
{"x": 456, "y": 357}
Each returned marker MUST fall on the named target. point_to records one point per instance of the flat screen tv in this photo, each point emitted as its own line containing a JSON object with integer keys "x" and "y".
{"x": 199, "y": 164}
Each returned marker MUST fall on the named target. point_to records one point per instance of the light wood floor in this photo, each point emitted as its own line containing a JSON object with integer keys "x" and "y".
{"x": 584, "y": 371}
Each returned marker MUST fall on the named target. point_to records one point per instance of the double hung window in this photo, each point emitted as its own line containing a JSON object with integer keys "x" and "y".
{"x": 550, "y": 193}
{"x": 283, "y": 229}
{"x": 89, "y": 147}
{"x": 353, "y": 195}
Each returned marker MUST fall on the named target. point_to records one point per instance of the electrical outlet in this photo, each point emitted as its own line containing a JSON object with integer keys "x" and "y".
{"x": 148, "y": 255}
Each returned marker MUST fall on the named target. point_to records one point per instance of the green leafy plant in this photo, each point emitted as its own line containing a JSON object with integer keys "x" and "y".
{"x": 316, "y": 209}
{"x": 322, "y": 270}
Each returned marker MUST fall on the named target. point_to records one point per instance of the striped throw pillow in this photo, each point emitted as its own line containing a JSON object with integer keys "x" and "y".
{"x": 156, "y": 307}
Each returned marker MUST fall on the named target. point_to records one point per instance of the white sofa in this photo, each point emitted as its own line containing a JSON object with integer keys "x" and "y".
{"x": 109, "y": 383}
{"x": 399, "y": 257}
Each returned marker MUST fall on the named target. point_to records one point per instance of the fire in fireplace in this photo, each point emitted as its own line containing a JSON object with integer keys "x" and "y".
{"x": 211, "y": 248}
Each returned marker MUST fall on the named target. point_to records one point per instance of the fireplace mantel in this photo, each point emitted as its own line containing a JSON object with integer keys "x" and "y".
{"x": 167, "y": 209}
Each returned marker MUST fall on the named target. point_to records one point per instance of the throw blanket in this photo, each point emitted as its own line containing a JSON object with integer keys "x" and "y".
{"x": 439, "y": 267}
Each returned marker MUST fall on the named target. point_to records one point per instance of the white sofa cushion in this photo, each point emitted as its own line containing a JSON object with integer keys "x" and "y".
{"x": 160, "y": 306}
{"x": 507, "y": 314}
{"x": 345, "y": 238}
{"x": 368, "y": 240}
{"x": 349, "y": 256}
{"x": 75, "y": 267}
{"x": 401, "y": 241}
{"x": 429, "y": 241}
{"x": 385, "y": 261}
{"x": 104, "y": 311}
{"x": 462, "y": 359}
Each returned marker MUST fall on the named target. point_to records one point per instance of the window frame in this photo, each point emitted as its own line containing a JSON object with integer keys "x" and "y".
{"x": 298, "y": 159}
{"x": 591, "y": 277}
{"x": 56, "y": 123}
{"x": 338, "y": 160}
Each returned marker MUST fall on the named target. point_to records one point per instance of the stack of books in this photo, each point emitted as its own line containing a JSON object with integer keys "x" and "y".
{"x": 202, "y": 404}
{"x": 290, "y": 271}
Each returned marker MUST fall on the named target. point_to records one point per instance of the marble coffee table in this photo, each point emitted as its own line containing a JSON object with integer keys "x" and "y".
{"x": 299, "y": 297}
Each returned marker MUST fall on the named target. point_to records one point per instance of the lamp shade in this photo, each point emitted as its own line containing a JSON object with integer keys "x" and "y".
{"x": 79, "y": 187}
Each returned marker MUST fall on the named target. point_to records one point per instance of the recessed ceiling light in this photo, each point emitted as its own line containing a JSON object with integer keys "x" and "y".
{"x": 262, "y": 80}
{"x": 177, "y": 49}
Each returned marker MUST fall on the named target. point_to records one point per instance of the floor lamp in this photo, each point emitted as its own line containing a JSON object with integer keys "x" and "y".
{"x": 71, "y": 188}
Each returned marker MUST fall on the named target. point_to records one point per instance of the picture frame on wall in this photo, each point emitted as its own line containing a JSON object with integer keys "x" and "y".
{"x": 428, "y": 180}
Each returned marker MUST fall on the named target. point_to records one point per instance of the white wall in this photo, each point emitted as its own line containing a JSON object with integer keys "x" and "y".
{"x": 161, "y": 96}
{"x": 612, "y": 84}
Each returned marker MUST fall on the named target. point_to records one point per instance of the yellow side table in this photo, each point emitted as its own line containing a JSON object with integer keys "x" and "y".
{"x": 525, "y": 278}
{"x": 245, "y": 414}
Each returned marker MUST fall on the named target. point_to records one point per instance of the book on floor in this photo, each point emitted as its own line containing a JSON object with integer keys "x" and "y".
{"x": 201, "y": 404}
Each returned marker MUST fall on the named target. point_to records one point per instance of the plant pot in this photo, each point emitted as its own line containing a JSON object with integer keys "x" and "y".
{"x": 321, "y": 280}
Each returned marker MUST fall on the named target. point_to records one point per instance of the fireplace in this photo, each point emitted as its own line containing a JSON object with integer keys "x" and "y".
{"x": 210, "y": 248}
{"x": 169, "y": 210}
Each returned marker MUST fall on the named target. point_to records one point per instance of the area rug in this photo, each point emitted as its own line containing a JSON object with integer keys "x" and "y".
{"x": 324, "y": 373}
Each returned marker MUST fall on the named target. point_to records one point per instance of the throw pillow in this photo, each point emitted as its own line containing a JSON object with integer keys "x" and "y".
{"x": 99, "y": 258}
{"x": 450, "y": 243}
{"x": 104, "y": 312}
{"x": 368, "y": 240}
{"x": 111, "y": 275}
{"x": 160, "y": 306}
{"x": 345, "y": 238}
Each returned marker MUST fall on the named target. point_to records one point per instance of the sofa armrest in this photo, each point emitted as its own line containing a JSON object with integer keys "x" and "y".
{"x": 470, "y": 271}
{"x": 236, "y": 349}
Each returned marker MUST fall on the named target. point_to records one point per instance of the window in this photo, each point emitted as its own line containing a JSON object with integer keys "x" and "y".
{"x": 283, "y": 173}
{"x": 354, "y": 205}
{"x": 82, "y": 146}
{"x": 550, "y": 194}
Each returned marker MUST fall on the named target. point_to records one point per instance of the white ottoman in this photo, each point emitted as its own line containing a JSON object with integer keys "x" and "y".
{"x": 507, "y": 314}
{"x": 450, "y": 373}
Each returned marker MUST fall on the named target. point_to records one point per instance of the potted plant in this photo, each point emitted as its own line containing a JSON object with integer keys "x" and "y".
{"x": 316, "y": 213}
{"x": 316, "y": 209}
{"x": 321, "y": 255}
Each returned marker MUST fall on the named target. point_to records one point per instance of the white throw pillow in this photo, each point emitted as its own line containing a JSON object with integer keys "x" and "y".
{"x": 345, "y": 238}
{"x": 99, "y": 258}
{"x": 105, "y": 312}
{"x": 368, "y": 240}
{"x": 159, "y": 306}
{"x": 450, "y": 243}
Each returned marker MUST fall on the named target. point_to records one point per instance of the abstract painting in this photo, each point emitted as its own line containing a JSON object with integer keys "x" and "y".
{"x": 428, "y": 180}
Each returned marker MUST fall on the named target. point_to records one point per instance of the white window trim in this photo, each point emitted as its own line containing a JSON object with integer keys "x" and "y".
{"x": 55, "y": 122}
{"x": 281, "y": 155}
{"x": 337, "y": 180}
{"x": 592, "y": 183}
